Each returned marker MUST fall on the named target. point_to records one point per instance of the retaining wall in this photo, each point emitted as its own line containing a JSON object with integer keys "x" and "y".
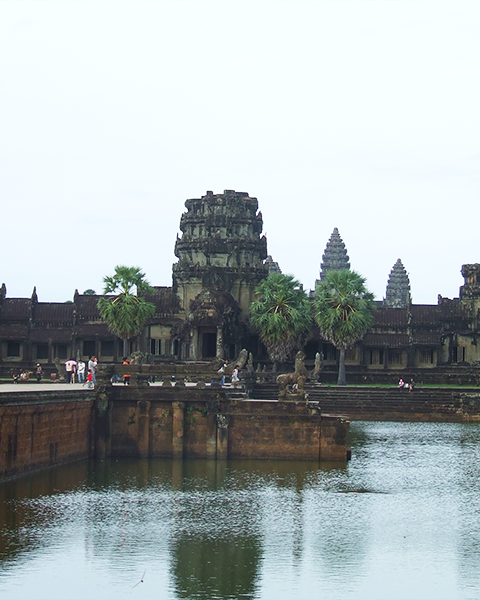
{"x": 43, "y": 429}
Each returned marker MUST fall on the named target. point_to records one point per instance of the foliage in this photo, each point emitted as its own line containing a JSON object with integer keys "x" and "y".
{"x": 126, "y": 312}
{"x": 281, "y": 314}
{"x": 343, "y": 309}
{"x": 89, "y": 292}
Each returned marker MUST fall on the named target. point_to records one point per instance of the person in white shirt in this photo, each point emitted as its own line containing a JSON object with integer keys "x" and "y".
{"x": 81, "y": 371}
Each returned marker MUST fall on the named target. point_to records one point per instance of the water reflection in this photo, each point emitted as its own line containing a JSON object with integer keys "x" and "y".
{"x": 402, "y": 520}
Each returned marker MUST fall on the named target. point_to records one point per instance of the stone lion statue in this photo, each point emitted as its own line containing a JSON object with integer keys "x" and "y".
{"x": 296, "y": 380}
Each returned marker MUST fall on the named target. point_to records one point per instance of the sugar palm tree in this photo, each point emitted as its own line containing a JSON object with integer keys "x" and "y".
{"x": 343, "y": 310}
{"x": 281, "y": 314}
{"x": 126, "y": 312}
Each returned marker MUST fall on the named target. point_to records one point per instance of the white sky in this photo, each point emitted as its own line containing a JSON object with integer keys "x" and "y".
{"x": 361, "y": 115}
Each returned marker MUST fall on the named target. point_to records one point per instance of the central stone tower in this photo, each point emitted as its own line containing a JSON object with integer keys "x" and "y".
{"x": 221, "y": 248}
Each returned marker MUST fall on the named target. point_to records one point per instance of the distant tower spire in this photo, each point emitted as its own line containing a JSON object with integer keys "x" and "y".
{"x": 272, "y": 265}
{"x": 335, "y": 257}
{"x": 398, "y": 287}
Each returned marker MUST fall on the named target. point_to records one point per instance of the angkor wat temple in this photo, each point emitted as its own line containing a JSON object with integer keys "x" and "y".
{"x": 222, "y": 256}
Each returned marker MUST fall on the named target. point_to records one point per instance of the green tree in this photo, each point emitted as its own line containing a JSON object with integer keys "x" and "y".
{"x": 89, "y": 292}
{"x": 126, "y": 312}
{"x": 281, "y": 314}
{"x": 343, "y": 309}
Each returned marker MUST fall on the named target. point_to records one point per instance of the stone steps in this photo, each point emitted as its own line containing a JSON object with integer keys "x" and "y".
{"x": 369, "y": 403}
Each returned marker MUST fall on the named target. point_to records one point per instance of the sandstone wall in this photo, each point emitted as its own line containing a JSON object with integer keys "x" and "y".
{"x": 193, "y": 423}
{"x": 40, "y": 430}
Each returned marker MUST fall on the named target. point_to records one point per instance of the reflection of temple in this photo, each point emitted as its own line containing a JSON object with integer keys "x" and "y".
{"x": 222, "y": 256}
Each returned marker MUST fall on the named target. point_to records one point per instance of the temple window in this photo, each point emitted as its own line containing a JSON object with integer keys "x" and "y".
{"x": 156, "y": 347}
{"x": 88, "y": 347}
{"x": 42, "y": 351}
{"x": 455, "y": 354}
{"x": 426, "y": 356}
{"x": 376, "y": 357}
{"x": 107, "y": 348}
{"x": 13, "y": 349}
{"x": 60, "y": 350}
{"x": 395, "y": 357}
{"x": 351, "y": 354}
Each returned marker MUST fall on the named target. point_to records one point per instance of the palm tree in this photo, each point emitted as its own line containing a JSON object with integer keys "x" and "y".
{"x": 343, "y": 311}
{"x": 126, "y": 313}
{"x": 281, "y": 314}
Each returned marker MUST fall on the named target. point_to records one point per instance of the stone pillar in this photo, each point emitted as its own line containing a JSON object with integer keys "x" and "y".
{"x": 222, "y": 436}
{"x": 103, "y": 426}
{"x": 333, "y": 438}
{"x": 143, "y": 416}
{"x": 211, "y": 436}
{"x": 178, "y": 429}
{"x": 194, "y": 345}
{"x": 220, "y": 351}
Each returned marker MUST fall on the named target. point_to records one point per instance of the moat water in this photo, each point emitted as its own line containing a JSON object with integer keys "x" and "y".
{"x": 401, "y": 520}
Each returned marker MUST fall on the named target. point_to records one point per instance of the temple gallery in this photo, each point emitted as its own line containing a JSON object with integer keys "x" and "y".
{"x": 222, "y": 256}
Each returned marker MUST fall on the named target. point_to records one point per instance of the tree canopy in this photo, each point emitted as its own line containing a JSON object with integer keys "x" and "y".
{"x": 126, "y": 312}
{"x": 281, "y": 314}
{"x": 343, "y": 309}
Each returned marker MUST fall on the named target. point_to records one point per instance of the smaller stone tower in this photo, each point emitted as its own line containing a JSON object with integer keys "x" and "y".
{"x": 335, "y": 257}
{"x": 272, "y": 265}
{"x": 398, "y": 287}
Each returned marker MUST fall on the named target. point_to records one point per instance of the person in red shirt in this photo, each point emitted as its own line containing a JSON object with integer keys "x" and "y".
{"x": 126, "y": 376}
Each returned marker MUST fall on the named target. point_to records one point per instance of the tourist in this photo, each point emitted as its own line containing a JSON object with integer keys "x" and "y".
{"x": 235, "y": 377}
{"x": 70, "y": 370}
{"x": 126, "y": 376}
{"x": 222, "y": 371}
{"x": 81, "y": 371}
{"x": 38, "y": 373}
{"x": 90, "y": 383}
{"x": 401, "y": 384}
{"x": 411, "y": 385}
{"x": 92, "y": 366}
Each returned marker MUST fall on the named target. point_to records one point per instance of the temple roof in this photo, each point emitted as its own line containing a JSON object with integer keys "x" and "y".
{"x": 16, "y": 309}
{"x": 425, "y": 314}
{"x": 391, "y": 317}
{"x": 54, "y": 312}
{"x": 166, "y": 301}
{"x": 390, "y": 340}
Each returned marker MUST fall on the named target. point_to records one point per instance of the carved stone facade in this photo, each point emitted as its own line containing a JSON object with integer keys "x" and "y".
{"x": 221, "y": 248}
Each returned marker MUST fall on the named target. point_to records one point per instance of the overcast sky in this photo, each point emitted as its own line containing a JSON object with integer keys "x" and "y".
{"x": 361, "y": 115}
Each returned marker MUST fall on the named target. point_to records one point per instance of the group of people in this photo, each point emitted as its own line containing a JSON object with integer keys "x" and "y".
{"x": 402, "y": 385}
{"x": 25, "y": 375}
{"x": 73, "y": 367}
{"x": 235, "y": 378}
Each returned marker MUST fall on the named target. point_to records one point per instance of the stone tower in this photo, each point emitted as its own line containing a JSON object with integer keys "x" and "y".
{"x": 398, "y": 287}
{"x": 221, "y": 248}
{"x": 272, "y": 265}
{"x": 471, "y": 287}
{"x": 335, "y": 257}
